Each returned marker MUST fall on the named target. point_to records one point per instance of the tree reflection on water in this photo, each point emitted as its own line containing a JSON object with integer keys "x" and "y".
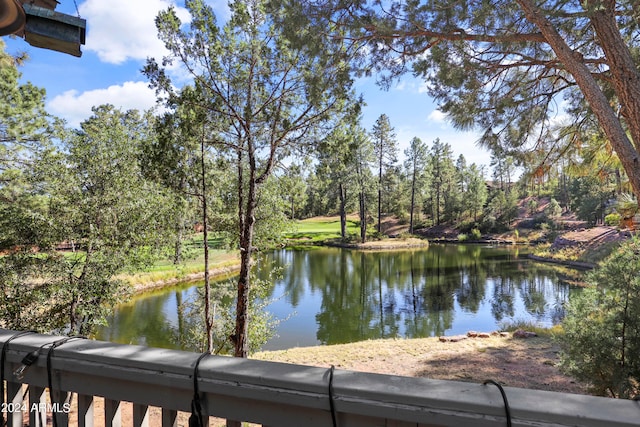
{"x": 332, "y": 295}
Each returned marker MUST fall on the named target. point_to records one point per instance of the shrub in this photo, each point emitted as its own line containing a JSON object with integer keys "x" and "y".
{"x": 405, "y": 235}
{"x": 403, "y": 218}
{"x": 419, "y": 223}
{"x": 602, "y": 326}
{"x": 553, "y": 209}
{"x": 626, "y": 205}
{"x": 612, "y": 219}
{"x": 514, "y": 325}
{"x": 476, "y": 234}
{"x": 488, "y": 223}
{"x": 462, "y": 237}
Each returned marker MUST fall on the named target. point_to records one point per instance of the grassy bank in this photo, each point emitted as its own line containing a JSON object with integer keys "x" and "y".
{"x": 315, "y": 231}
{"x": 326, "y": 231}
{"x": 165, "y": 272}
{"x": 320, "y": 229}
{"x": 578, "y": 254}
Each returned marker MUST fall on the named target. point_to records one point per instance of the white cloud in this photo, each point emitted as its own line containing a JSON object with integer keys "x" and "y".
{"x": 118, "y": 30}
{"x": 424, "y": 87}
{"x": 401, "y": 85}
{"x": 437, "y": 116}
{"x": 75, "y": 107}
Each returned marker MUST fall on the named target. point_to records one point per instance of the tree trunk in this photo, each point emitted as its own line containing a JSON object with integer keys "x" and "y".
{"x": 380, "y": 193}
{"x": 241, "y": 338}
{"x": 438, "y": 204}
{"x": 625, "y": 78}
{"x": 242, "y": 306}
{"x": 208, "y": 319}
{"x": 177, "y": 255}
{"x": 73, "y": 315}
{"x": 413, "y": 200}
{"x": 363, "y": 217}
{"x": 343, "y": 211}
{"x": 177, "y": 249}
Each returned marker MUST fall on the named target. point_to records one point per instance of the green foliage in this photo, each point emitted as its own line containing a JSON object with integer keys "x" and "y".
{"x": 626, "y": 205}
{"x": 500, "y": 211}
{"x": 442, "y": 179}
{"x": 24, "y": 137}
{"x": 404, "y": 236}
{"x": 602, "y": 326}
{"x": 23, "y": 120}
{"x": 489, "y": 224}
{"x": 612, "y": 219}
{"x": 94, "y": 199}
{"x": 463, "y": 237}
{"x": 553, "y": 209}
{"x": 384, "y": 143}
{"x": 476, "y": 190}
{"x": 513, "y": 326}
{"x": 28, "y": 285}
{"x": 422, "y": 223}
{"x": 588, "y": 198}
{"x": 261, "y": 328}
{"x": 385, "y": 150}
{"x": 476, "y": 234}
{"x": 294, "y": 190}
{"x": 416, "y": 157}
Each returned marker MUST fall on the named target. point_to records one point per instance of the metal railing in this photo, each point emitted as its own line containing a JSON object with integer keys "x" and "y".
{"x": 266, "y": 393}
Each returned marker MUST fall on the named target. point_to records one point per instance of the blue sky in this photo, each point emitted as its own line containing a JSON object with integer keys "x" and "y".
{"x": 121, "y": 34}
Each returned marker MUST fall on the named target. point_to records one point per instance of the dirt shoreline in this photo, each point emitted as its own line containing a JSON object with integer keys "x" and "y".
{"x": 531, "y": 363}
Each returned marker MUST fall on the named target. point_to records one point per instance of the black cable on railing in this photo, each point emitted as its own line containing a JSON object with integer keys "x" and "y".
{"x": 196, "y": 419}
{"x": 3, "y": 357}
{"x": 49, "y": 373}
{"x": 331, "y": 402}
{"x": 504, "y": 398}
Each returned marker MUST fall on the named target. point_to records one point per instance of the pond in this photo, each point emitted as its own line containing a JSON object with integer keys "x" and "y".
{"x": 332, "y": 295}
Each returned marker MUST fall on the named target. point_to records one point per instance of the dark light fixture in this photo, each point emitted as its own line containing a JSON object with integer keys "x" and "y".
{"x": 12, "y": 17}
{"x": 53, "y": 30}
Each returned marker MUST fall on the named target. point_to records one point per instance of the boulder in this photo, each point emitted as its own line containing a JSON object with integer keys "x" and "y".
{"x": 521, "y": 333}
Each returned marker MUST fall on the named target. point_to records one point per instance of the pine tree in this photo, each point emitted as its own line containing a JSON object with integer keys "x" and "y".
{"x": 266, "y": 88}
{"x": 415, "y": 163}
{"x": 502, "y": 66}
{"x": 385, "y": 150}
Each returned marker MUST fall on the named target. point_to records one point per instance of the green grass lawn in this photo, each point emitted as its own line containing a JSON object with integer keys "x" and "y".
{"x": 319, "y": 229}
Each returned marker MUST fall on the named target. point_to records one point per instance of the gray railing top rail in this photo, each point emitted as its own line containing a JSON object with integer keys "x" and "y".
{"x": 278, "y": 394}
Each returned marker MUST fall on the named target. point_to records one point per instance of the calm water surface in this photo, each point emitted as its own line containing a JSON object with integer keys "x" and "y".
{"x": 331, "y": 295}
